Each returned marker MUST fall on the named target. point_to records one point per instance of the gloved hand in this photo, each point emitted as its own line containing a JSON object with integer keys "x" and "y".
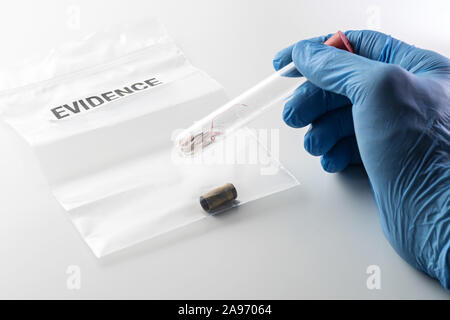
{"x": 387, "y": 106}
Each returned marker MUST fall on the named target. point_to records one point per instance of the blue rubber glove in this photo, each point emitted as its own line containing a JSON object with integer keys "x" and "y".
{"x": 387, "y": 107}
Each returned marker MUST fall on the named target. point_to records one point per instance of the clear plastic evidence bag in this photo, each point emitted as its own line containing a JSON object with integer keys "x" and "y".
{"x": 102, "y": 116}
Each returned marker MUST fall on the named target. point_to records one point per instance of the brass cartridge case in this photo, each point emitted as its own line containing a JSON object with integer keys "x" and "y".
{"x": 218, "y": 197}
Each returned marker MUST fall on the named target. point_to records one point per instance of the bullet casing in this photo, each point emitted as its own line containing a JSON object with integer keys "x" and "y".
{"x": 218, "y": 197}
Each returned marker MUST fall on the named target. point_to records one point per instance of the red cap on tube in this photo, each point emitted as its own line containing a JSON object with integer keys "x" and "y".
{"x": 340, "y": 41}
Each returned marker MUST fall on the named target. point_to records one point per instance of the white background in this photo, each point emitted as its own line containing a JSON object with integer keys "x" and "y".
{"x": 314, "y": 241}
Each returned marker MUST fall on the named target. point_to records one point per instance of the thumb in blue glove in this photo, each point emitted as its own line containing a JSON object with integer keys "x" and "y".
{"x": 387, "y": 107}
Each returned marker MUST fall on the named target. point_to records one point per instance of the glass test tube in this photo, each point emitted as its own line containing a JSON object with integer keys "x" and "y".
{"x": 246, "y": 107}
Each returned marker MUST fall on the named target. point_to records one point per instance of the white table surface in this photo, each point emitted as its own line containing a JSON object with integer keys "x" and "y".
{"x": 313, "y": 241}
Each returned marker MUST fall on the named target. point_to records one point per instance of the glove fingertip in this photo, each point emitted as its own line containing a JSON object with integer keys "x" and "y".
{"x": 276, "y": 64}
{"x": 327, "y": 165}
{"x": 307, "y": 143}
{"x": 290, "y": 118}
{"x": 282, "y": 58}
